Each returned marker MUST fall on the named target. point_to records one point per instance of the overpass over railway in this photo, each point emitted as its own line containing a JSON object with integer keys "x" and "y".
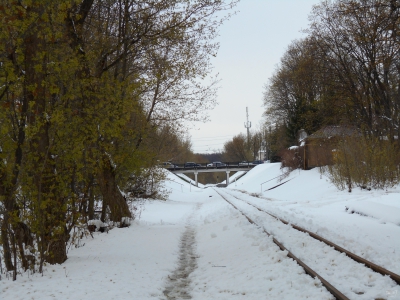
{"x": 230, "y": 167}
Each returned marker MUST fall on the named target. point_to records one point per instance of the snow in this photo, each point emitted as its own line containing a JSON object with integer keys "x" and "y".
{"x": 188, "y": 179}
{"x": 308, "y": 199}
{"x": 96, "y": 223}
{"x": 385, "y": 213}
{"x": 234, "y": 177}
{"x": 221, "y": 255}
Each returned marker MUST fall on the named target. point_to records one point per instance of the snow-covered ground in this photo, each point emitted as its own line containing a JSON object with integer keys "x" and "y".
{"x": 197, "y": 246}
{"x": 234, "y": 177}
{"x": 370, "y": 227}
{"x": 189, "y": 180}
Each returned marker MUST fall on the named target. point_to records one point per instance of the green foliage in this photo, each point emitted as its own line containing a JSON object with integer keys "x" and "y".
{"x": 80, "y": 112}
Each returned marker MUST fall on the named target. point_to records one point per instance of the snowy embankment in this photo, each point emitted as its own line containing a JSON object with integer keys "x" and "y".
{"x": 310, "y": 200}
{"x": 189, "y": 180}
{"x": 234, "y": 177}
{"x": 196, "y": 245}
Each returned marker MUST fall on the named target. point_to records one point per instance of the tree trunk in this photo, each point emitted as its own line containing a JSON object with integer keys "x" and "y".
{"x": 24, "y": 237}
{"x": 91, "y": 204}
{"x": 6, "y": 245}
{"x": 49, "y": 205}
{"x": 57, "y": 252}
{"x": 111, "y": 194}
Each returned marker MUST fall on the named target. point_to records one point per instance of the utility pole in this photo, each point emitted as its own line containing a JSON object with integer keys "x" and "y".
{"x": 247, "y": 125}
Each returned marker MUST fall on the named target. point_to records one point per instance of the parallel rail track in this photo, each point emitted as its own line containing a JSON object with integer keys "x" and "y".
{"x": 353, "y": 256}
{"x": 336, "y": 293}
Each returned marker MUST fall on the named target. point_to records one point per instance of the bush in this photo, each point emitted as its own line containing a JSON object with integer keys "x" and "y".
{"x": 366, "y": 162}
{"x": 292, "y": 158}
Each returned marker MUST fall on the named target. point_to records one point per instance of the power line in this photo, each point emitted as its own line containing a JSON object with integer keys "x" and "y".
{"x": 214, "y": 137}
{"x": 208, "y": 145}
{"x": 212, "y": 140}
{"x": 207, "y": 150}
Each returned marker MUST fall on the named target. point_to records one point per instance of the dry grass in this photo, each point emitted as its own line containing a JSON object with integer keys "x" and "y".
{"x": 366, "y": 162}
{"x": 292, "y": 159}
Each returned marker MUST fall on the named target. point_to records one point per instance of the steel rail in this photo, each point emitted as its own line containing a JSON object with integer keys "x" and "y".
{"x": 336, "y": 293}
{"x": 353, "y": 256}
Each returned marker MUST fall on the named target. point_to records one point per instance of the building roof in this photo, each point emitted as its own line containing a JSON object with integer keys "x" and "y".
{"x": 334, "y": 131}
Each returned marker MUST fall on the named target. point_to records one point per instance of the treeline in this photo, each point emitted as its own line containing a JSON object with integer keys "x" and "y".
{"x": 92, "y": 94}
{"x": 346, "y": 73}
{"x": 247, "y": 148}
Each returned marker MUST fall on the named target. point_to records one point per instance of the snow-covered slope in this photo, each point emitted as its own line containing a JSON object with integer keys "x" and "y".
{"x": 366, "y": 222}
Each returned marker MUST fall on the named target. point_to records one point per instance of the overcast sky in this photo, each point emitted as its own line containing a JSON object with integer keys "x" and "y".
{"x": 252, "y": 43}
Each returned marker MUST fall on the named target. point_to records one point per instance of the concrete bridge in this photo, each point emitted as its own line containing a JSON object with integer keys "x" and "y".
{"x": 230, "y": 167}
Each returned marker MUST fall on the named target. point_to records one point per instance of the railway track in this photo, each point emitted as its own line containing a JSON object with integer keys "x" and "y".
{"x": 353, "y": 256}
{"x": 360, "y": 292}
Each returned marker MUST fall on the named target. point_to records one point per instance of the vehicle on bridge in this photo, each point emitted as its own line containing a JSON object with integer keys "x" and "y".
{"x": 191, "y": 165}
{"x": 168, "y": 165}
{"x": 250, "y": 163}
{"x": 216, "y": 164}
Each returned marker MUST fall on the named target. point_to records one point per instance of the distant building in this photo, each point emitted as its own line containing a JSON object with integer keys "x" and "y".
{"x": 320, "y": 147}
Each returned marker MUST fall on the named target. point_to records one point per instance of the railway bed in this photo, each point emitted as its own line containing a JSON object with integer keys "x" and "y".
{"x": 315, "y": 263}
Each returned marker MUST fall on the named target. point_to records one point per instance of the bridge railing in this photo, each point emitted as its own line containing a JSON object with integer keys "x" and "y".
{"x": 204, "y": 166}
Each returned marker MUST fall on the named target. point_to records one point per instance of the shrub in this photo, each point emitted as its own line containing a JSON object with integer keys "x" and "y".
{"x": 366, "y": 162}
{"x": 292, "y": 158}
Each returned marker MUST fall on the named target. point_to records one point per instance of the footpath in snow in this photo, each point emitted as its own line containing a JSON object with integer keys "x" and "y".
{"x": 197, "y": 246}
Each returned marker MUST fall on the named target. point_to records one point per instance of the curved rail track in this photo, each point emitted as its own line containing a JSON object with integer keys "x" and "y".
{"x": 335, "y": 292}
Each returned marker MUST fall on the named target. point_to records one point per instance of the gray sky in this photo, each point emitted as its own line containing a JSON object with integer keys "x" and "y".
{"x": 251, "y": 45}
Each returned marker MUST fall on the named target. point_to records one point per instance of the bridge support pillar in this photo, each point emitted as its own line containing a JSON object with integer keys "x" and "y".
{"x": 195, "y": 178}
{"x": 227, "y": 177}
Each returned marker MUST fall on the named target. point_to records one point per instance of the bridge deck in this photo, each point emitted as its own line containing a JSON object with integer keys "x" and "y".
{"x": 229, "y": 167}
{"x": 211, "y": 169}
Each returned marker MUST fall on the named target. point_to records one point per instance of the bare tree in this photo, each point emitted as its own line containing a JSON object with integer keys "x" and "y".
{"x": 359, "y": 39}
{"x": 236, "y": 149}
